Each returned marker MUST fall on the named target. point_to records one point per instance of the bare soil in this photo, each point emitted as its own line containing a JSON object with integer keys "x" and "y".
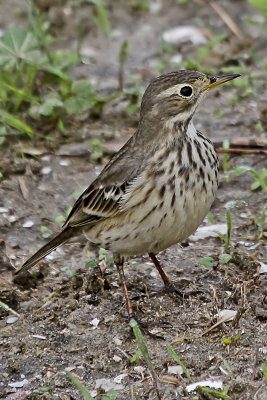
{"x": 73, "y": 317}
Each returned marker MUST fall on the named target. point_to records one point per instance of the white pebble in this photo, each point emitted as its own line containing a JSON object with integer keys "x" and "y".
{"x": 28, "y": 224}
{"x": 18, "y": 384}
{"x": 46, "y": 170}
{"x": 39, "y": 337}
{"x": 181, "y": 34}
{"x": 117, "y": 358}
{"x": 11, "y": 319}
{"x": 64, "y": 163}
{"x": 95, "y": 322}
{"x": 175, "y": 369}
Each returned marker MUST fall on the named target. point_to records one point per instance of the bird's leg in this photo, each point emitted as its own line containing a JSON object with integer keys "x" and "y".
{"x": 119, "y": 264}
{"x": 143, "y": 326}
{"x": 169, "y": 286}
{"x": 160, "y": 269}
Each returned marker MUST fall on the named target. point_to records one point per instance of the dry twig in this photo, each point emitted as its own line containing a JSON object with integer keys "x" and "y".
{"x": 227, "y": 19}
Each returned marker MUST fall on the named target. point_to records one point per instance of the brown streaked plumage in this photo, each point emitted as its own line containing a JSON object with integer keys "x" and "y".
{"x": 159, "y": 186}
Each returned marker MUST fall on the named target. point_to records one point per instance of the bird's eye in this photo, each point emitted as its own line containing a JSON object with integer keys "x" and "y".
{"x": 186, "y": 91}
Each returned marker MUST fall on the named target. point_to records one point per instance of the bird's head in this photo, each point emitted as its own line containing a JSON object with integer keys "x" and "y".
{"x": 175, "y": 96}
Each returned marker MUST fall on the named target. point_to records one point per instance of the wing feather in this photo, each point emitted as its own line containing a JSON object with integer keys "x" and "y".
{"x": 105, "y": 197}
{"x": 96, "y": 204}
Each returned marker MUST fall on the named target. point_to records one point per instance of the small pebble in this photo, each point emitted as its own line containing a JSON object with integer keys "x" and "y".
{"x": 95, "y": 322}
{"x": 117, "y": 341}
{"x": 12, "y": 218}
{"x": 139, "y": 369}
{"x": 39, "y": 337}
{"x": 176, "y": 59}
{"x": 28, "y": 224}
{"x": 46, "y": 170}
{"x": 155, "y": 7}
{"x": 18, "y": 384}
{"x": 263, "y": 268}
{"x": 71, "y": 368}
{"x": 12, "y": 319}
{"x": 175, "y": 369}
{"x": 64, "y": 163}
{"x": 117, "y": 358}
{"x": 120, "y": 377}
{"x": 182, "y": 34}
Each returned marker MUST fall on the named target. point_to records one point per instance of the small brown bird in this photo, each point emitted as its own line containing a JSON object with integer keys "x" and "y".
{"x": 157, "y": 189}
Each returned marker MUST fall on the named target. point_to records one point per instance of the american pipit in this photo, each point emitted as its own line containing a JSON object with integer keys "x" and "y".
{"x": 159, "y": 186}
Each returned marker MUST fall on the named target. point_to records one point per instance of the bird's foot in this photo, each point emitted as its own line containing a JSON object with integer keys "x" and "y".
{"x": 172, "y": 290}
{"x": 169, "y": 287}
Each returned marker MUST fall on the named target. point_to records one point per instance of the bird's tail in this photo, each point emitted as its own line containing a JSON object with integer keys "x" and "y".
{"x": 58, "y": 240}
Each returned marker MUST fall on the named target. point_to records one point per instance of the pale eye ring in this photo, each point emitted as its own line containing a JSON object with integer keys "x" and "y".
{"x": 186, "y": 91}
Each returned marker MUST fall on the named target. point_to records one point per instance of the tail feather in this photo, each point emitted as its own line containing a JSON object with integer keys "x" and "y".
{"x": 57, "y": 241}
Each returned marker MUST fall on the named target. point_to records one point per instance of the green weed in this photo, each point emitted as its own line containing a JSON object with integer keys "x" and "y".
{"x": 97, "y": 149}
{"x": 261, "y": 6}
{"x": 135, "y": 358}
{"x": 230, "y": 341}
{"x": 210, "y": 218}
{"x": 210, "y": 261}
{"x": 103, "y": 258}
{"x": 261, "y": 221}
{"x": 215, "y": 393}
{"x": 101, "y": 16}
{"x": 45, "y": 231}
{"x": 227, "y": 237}
{"x": 207, "y": 261}
{"x": 182, "y": 2}
{"x": 80, "y": 386}
{"x": 225, "y": 161}
{"x": 111, "y": 395}
{"x": 46, "y": 389}
{"x": 7, "y": 308}
{"x": 264, "y": 370}
{"x": 177, "y": 359}
{"x": 142, "y": 5}
{"x": 144, "y": 350}
{"x": 224, "y": 257}
{"x": 35, "y": 82}
{"x": 259, "y": 176}
{"x": 122, "y": 59}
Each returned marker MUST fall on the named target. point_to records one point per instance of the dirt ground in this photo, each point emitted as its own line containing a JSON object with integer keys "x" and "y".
{"x": 72, "y": 317}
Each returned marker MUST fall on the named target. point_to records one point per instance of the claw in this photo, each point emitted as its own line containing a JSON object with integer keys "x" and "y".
{"x": 171, "y": 289}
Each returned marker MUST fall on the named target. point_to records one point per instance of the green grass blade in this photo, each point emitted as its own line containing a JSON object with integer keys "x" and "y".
{"x": 141, "y": 344}
{"x": 227, "y": 366}
{"x": 261, "y": 6}
{"x": 16, "y": 123}
{"x": 177, "y": 359}
{"x": 144, "y": 350}
{"x": 229, "y": 228}
{"x": 9, "y": 309}
{"x": 215, "y": 393}
{"x": 264, "y": 370}
{"x": 102, "y": 17}
{"x": 79, "y": 386}
{"x": 19, "y": 92}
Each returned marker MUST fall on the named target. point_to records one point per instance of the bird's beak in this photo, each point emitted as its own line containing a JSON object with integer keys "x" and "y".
{"x": 218, "y": 80}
